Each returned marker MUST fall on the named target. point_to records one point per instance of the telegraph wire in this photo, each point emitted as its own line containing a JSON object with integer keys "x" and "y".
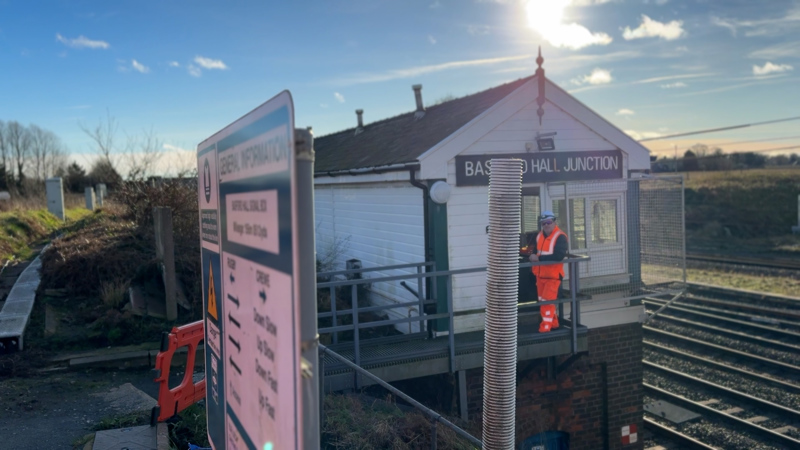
{"x": 727, "y": 144}
{"x": 712, "y": 130}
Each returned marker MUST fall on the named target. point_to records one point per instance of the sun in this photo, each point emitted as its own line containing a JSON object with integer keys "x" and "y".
{"x": 546, "y": 16}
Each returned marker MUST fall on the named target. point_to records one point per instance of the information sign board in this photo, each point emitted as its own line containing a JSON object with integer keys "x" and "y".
{"x": 250, "y": 281}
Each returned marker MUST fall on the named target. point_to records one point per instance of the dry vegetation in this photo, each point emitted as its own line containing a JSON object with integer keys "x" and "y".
{"x": 744, "y": 211}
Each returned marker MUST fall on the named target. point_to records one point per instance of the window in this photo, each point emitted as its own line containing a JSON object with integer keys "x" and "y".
{"x": 576, "y": 228}
{"x": 604, "y": 221}
{"x": 531, "y": 210}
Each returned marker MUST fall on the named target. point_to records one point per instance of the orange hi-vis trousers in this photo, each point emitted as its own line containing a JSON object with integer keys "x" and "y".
{"x": 548, "y": 290}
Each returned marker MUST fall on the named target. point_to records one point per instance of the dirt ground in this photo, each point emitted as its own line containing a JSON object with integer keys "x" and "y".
{"x": 57, "y": 409}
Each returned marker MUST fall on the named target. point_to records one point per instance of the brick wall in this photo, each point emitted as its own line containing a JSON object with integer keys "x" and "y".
{"x": 573, "y": 400}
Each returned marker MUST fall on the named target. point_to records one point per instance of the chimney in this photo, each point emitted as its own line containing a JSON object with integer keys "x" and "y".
{"x": 418, "y": 95}
{"x": 420, "y": 112}
{"x": 359, "y": 113}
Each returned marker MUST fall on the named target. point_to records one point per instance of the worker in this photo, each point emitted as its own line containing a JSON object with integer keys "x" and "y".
{"x": 551, "y": 245}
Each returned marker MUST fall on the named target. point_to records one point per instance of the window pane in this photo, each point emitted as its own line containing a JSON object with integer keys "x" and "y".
{"x": 577, "y": 214}
{"x": 604, "y": 221}
{"x": 576, "y": 229}
{"x": 531, "y": 210}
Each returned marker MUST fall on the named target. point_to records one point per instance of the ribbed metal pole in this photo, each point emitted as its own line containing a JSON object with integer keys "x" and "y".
{"x": 500, "y": 345}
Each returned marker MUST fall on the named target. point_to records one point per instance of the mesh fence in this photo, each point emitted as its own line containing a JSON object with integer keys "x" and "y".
{"x": 632, "y": 230}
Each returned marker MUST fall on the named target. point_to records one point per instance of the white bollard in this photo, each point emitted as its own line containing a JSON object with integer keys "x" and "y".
{"x": 101, "y": 194}
{"x": 90, "y": 198}
{"x": 55, "y": 197}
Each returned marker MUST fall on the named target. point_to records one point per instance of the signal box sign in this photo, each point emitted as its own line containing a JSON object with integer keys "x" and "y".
{"x": 474, "y": 170}
{"x": 250, "y": 276}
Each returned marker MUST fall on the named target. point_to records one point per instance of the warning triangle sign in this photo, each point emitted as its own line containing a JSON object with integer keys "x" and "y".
{"x": 212, "y": 293}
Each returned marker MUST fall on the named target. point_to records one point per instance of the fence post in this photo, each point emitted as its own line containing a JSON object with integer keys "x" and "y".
{"x": 356, "y": 344}
{"x": 162, "y": 223}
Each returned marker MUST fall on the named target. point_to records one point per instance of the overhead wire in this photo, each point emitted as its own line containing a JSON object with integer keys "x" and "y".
{"x": 712, "y": 130}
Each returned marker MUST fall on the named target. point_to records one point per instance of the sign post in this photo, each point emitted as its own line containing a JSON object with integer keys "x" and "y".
{"x": 249, "y": 216}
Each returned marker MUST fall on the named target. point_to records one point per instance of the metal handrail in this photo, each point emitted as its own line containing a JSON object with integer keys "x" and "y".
{"x": 433, "y": 415}
{"x": 422, "y": 317}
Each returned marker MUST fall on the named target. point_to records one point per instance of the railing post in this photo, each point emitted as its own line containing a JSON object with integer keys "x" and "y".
{"x": 356, "y": 344}
{"x": 434, "y": 294}
{"x": 421, "y": 298}
{"x": 433, "y": 433}
{"x": 321, "y": 387}
{"x": 451, "y": 334}
{"x": 333, "y": 314}
{"x": 574, "y": 304}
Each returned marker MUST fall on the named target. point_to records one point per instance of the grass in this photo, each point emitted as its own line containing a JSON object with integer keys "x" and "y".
{"x": 20, "y": 228}
{"x": 740, "y": 205}
{"x": 783, "y": 285}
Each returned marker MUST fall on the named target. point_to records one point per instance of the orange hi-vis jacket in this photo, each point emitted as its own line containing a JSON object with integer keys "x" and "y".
{"x": 546, "y": 246}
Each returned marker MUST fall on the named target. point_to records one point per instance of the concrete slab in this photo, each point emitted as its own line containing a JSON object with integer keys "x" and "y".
{"x": 144, "y": 437}
{"x": 12, "y": 326}
{"x": 127, "y": 399}
{"x": 17, "y": 308}
{"x": 673, "y": 413}
{"x": 23, "y": 291}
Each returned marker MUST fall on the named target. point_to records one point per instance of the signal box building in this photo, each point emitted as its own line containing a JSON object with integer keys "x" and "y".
{"x": 414, "y": 188}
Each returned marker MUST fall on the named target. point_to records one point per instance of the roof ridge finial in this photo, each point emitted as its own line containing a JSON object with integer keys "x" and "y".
{"x": 540, "y": 78}
{"x": 539, "y": 60}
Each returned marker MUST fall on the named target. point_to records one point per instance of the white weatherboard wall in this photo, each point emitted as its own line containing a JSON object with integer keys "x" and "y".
{"x": 468, "y": 209}
{"x": 380, "y": 224}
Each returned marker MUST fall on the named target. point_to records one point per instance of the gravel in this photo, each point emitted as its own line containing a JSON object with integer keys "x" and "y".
{"x": 737, "y": 382}
{"x": 726, "y": 341}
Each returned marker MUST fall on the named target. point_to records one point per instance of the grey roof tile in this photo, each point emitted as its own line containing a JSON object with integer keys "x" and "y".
{"x": 403, "y": 138}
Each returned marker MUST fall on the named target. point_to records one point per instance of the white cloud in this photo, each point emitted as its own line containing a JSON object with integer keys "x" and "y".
{"x": 724, "y": 23}
{"x": 339, "y": 97}
{"x": 653, "y": 28}
{"x": 421, "y": 70}
{"x": 324, "y": 105}
{"x": 786, "y": 22}
{"x": 642, "y": 135}
{"x": 139, "y": 67}
{"x": 431, "y": 39}
{"x": 674, "y": 77}
{"x": 173, "y": 64}
{"x": 478, "y": 30}
{"x": 82, "y": 42}
{"x": 625, "y": 112}
{"x": 789, "y": 49}
{"x": 598, "y": 76}
{"x": 435, "y": 4}
{"x": 547, "y": 18}
{"x": 208, "y": 63}
{"x": 679, "y": 84}
{"x": 592, "y": 2}
{"x": 194, "y": 70}
{"x": 771, "y": 68}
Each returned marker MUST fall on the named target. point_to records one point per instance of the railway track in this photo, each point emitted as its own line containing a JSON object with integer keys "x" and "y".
{"x": 731, "y": 357}
{"x": 772, "y": 263}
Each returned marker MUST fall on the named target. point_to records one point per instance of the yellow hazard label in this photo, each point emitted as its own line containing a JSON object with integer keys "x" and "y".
{"x": 212, "y": 293}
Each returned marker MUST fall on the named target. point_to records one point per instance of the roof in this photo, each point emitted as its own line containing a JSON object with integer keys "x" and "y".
{"x": 402, "y": 139}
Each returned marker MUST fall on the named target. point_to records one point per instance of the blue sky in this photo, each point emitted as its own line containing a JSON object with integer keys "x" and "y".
{"x": 186, "y": 69}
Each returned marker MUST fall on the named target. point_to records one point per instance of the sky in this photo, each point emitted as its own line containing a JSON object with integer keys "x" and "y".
{"x": 183, "y": 69}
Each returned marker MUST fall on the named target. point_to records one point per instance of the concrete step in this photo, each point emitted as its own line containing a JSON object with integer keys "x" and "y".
{"x": 143, "y": 437}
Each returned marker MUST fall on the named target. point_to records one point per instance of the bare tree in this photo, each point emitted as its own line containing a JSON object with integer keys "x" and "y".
{"x": 4, "y": 151}
{"x": 104, "y": 136}
{"x": 142, "y": 155}
{"x": 19, "y": 141}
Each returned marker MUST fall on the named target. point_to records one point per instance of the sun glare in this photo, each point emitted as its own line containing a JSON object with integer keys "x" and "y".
{"x": 545, "y": 15}
{"x": 547, "y": 18}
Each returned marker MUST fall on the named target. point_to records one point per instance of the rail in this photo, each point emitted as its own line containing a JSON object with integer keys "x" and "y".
{"x": 423, "y": 318}
{"x": 435, "y": 417}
